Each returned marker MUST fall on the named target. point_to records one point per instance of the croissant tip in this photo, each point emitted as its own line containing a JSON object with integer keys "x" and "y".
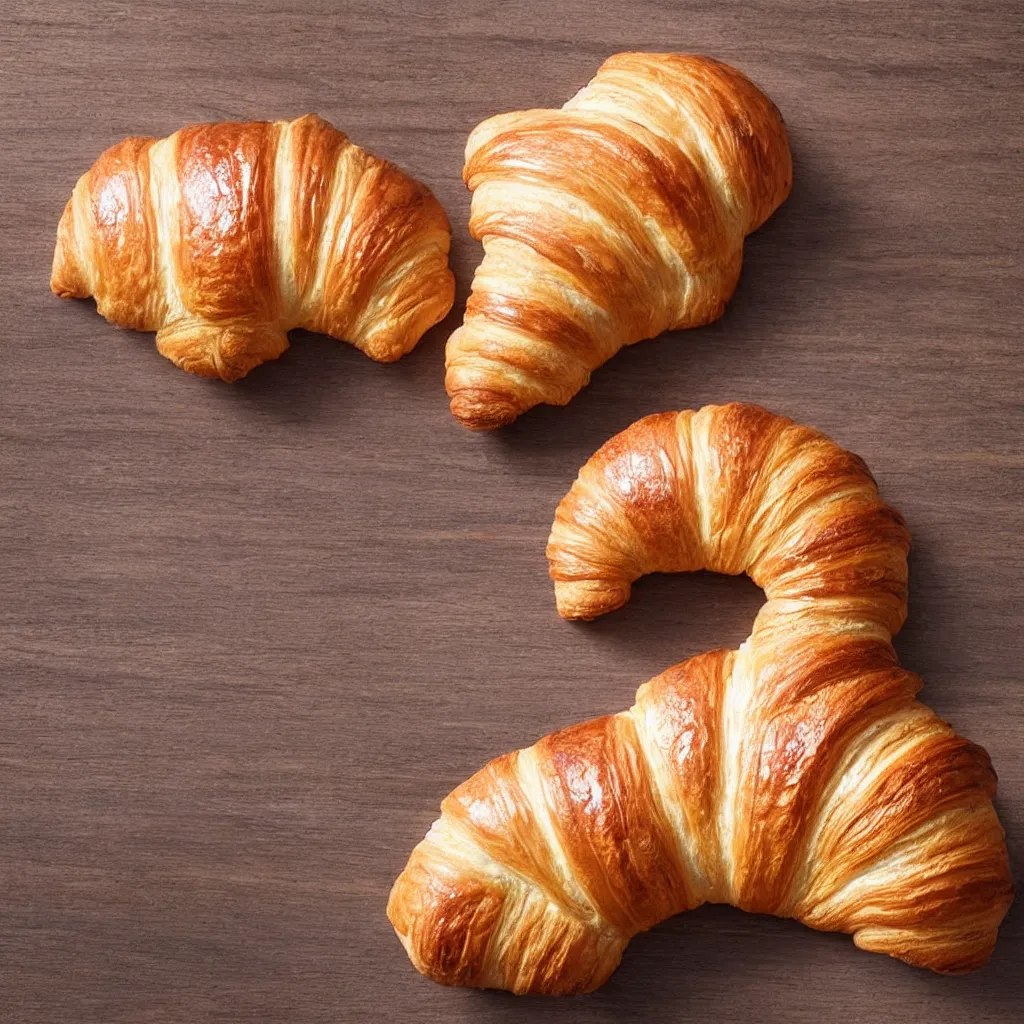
{"x": 589, "y": 599}
{"x": 66, "y": 279}
{"x": 481, "y": 409}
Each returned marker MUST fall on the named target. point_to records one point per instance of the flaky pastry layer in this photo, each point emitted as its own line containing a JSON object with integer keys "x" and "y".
{"x": 613, "y": 219}
{"x": 224, "y": 237}
{"x": 797, "y": 776}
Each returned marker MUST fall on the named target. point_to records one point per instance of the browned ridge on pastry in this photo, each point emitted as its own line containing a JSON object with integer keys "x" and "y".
{"x": 732, "y": 489}
{"x": 613, "y": 219}
{"x": 797, "y": 776}
{"x": 224, "y": 237}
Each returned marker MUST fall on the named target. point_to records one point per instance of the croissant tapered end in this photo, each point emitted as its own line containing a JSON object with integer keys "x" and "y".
{"x": 66, "y": 278}
{"x": 589, "y": 599}
{"x": 729, "y": 117}
{"x": 462, "y": 921}
{"x": 445, "y": 923}
{"x": 960, "y": 949}
{"x": 479, "y": 407}
{"x": 755, "y": 144}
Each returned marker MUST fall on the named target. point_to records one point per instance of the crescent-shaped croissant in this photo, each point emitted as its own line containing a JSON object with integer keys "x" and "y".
{"x": 224, "y": 237}
{"x": 797, "y": 776}
{"x": 613, "y": 219}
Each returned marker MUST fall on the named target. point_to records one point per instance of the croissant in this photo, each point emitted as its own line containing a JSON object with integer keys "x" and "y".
{"x": 797, "y": 776}
{"x": 224, "y": 237}
{"x": 618, "y": 217}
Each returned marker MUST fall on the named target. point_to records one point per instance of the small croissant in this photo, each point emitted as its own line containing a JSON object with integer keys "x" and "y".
{"x": 224, "y": 237}
{"x": 613, "y": 219}
{"x": 797, "y": 776}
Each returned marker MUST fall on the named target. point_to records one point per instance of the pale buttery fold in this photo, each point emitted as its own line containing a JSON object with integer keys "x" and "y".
{"x": 613, "y": 219}
{"x": 224, "y": 237}
{"x": 796, "y": 776}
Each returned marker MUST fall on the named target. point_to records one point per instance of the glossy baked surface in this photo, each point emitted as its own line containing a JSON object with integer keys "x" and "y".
{"x": 224, "y": 237}
{"x": 797, "y": 776}
{"x": 610, "y": 220}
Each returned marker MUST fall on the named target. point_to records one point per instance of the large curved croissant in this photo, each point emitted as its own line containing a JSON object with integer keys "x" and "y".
{"x": 616, "y": 218}
{"x": 797, "y": 776}
{"x": 224, "y": 237}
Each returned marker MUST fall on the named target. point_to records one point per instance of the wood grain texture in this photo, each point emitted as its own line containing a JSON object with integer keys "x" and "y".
{"x": 251, "y": 635}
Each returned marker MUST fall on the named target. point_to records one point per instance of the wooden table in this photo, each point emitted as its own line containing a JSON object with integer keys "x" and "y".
{"x": 250, "y": 636}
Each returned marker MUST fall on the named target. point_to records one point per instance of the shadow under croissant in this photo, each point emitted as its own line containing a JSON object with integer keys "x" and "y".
{"x": 731, "y": 359}
{"x": 934, "y": 643}
{"x": 318, "y": 375}
{"x": 672, "y": 616}
{"x": 717, "y": 962}
{"x": 325, "y": 380}
{"x": 316, "y": 379}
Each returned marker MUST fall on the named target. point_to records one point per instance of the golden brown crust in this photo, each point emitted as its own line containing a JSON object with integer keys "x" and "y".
{"x": 679, "y": 711}
{"x": 747, "y": 134}
{"x": 731, "y": 489}
{"x": 812, "y": 696}
{"x": 797, "y": 776}
{"x": 612, "y": 831}
{"x": 314, "y": 151}
{"x": 224, "y": 258}
{"x": 223, "y": 237}
{"x": 911, "y": 859}
{"x": 615, "y": 218}
{"x": 109, "y": 249}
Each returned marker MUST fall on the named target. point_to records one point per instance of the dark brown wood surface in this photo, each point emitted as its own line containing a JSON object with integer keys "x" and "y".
{"x": 251, "y": 635}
